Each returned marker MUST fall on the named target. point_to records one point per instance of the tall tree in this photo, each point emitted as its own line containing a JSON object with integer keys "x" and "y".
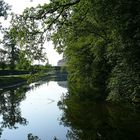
{"x": 4, "y": 8}
{"x": 100, "y": 39}
{"x": 10, "y": 45}
{"x": 3, "y": 58}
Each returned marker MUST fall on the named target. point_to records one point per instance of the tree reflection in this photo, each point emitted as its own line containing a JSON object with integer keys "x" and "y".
{"x": 9, "y": 108}
{"x": 32, "y": 137}
{"x": 89, "y": 120}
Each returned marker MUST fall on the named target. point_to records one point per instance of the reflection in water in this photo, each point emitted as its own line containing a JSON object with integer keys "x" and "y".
{"x": 38, "y": 106}
{"x": 82, "y": 118}
{"x": 62, "y": 84}
{"x": 31, "y": 137}
{"x": 9, "y": 108}
{"x": 90, "y": 120}
{"x": 61, "y": 80}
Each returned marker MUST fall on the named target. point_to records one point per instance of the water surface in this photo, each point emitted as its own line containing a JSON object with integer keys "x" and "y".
{"x": 45, "y": 111}
{"x": 33, "y": 110}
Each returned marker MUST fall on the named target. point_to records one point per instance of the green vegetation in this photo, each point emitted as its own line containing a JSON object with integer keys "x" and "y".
{"x": 25, "y": 75}
{"x": 8, "y": 81}
{"x": 15, "y": 53}
{"x": 13, "y": 80}
{"x": 99, "y": 39}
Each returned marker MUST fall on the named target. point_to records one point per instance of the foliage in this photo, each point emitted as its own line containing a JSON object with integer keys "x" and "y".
{"x": 102, "y": 47}
{"x": 27, "y": 50}
{"x": 9, "y": 42}
{"x": 3, "y": 58}
{"x": 4, "y": 7}
{"x": 99, "y": 38}
{"x": 23, "y": 63}
{"x": 28, "y": 42}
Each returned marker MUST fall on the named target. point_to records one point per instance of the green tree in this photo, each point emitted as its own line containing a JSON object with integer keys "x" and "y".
{"x": 3, "y": 58}
{"x": 99, "y": 38}
{"x": 27, "y": 37}
{"x": 4, "y": 8}
{"x": 10, "y": 44}
{"x": 23, "y": 62}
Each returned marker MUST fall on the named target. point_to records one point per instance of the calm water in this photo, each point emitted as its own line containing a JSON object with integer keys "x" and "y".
{"x": 33, "y": 110}
{"x": 44, "y": 111}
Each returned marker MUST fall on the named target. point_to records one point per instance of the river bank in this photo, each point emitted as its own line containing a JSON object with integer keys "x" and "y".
{"x": 10, "y": 81}
{"x": 16, "y": 80}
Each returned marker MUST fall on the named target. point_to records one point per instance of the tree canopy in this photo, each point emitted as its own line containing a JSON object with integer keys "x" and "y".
{"x": 99, "y": 38}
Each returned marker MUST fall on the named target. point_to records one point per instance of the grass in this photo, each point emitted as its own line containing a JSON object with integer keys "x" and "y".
{"x": 11, "y": 80}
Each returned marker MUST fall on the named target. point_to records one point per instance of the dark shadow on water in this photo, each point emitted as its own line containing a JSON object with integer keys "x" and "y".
{"x": 9, "y": 108}
{"x": 62, "y": 84}
{"x": 90, "y": 120}
{"x": 32, "y": 137}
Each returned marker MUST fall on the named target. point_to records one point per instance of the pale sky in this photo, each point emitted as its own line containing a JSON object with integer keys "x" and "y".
{"x": 17, "y": 7}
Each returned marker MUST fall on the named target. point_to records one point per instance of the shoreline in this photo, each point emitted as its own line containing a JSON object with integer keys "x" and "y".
{"x": 12, "y": 81}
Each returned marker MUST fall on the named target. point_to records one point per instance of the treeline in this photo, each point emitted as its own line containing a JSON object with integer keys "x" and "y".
{"x": 17, "y": 53}
{"x": 99, "y": 38}
{"x": 15, "y": 57}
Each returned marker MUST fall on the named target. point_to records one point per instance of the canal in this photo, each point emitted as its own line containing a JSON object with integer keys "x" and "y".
{"x": 31, "y": 112}
{"x": 45, "y": 111}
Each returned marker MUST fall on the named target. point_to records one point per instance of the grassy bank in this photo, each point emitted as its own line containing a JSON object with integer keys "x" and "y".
{"x": 6, "y": 81}
{"x": 12, "y": 80}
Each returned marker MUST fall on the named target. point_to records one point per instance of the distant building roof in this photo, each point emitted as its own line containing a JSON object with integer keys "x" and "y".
{"x": 61, "y": 62}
